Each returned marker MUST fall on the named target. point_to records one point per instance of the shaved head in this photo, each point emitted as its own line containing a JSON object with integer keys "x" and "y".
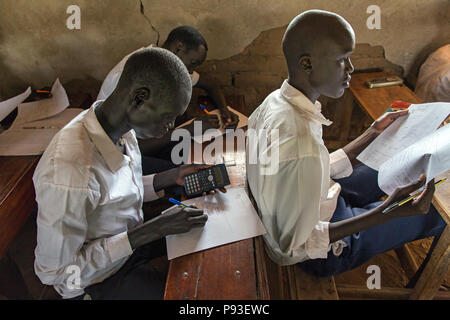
{"x": 312, "y": 41}
{"x": 160, "y": 70}
{"x": 156, "y": 87}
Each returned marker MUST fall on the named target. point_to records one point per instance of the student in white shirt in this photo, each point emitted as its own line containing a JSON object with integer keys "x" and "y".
{"x": 92, "y": 236}
{"x": 189, "y": 45}
{"x": 327, "y": 225}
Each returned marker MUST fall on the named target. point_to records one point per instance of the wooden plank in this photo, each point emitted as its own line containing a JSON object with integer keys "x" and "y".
{"x": 441, "y": 198}
{"x": 228, "y": 272}
{"x": 261, "y": 270}
{"x": 18, "y": 197}
{"x": 225, "y": 272}
{"x": 407, "y": 260}
{"x": 375, "y": 101}
{"x": 434, "y": 271}
{"x": 305, "y": 286}
{"x": 386, "y": 293}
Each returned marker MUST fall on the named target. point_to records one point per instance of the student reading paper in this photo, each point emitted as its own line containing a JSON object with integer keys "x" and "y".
{"x": 327, "y": 225}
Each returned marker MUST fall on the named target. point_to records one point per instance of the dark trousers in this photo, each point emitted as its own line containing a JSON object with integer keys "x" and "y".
{"x": 360, "y": 193}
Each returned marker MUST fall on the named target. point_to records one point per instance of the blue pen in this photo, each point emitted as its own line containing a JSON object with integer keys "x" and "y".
{"x": 178, "y": 203}
{"x": 204, "y": 108}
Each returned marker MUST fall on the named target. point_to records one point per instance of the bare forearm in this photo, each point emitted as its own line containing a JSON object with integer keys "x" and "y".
{"x": 146, "y": 233}
{"x": 341, "y": 229}
{"x": 354, "y": 148}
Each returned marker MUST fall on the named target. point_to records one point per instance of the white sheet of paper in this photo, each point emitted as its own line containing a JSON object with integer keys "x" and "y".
{"x": 422, "y": 120}
{"x": 45, "y": 108}
{"x": 430, "y": 155}
{"x": 7, "y": 106}
{"x": 32, "y": 138}
{"x": 231, "y": 217}
{"x": 243, "y": 121}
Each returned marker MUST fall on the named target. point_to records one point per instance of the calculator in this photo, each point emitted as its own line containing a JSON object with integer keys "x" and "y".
{"x": 206, "y": 180}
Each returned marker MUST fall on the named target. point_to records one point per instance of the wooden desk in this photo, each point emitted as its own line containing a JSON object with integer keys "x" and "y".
{"x": 17, "y": 202}
{"x": 375, "y": 102}
{"x": 17, "y": 197}
{"x": 221, "y": 273}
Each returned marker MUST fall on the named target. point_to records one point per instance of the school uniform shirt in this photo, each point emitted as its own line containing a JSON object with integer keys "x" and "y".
{"x": 89, "y": 195}
{"x": 112, "y": 79}
{"x": 297, "y": 202}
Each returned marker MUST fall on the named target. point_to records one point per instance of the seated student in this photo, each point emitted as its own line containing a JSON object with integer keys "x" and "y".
{"x": 90, "y": 188}
{"x": 329, "y": 226}
{"x": 190, "y": 46}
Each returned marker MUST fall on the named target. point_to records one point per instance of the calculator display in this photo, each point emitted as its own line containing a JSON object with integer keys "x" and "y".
{"x": 218, "y": 176}
{"x": 206, "y": 180}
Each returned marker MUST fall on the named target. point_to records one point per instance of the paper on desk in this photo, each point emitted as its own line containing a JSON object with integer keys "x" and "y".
{"x": 7, "y": 106}
{"x": 430, "y": 155}
{"x": 32, "y": 138}
{"x": 243, "y": 121}
{"x": 422, "y": 120}
{"x": 231, "y": 217}
{"x": 45, "y": 108}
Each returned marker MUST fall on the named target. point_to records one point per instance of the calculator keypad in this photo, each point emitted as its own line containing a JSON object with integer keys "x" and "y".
{"x": 194, "y": 182}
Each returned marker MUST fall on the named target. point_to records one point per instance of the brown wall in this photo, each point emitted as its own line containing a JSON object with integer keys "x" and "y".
{"x": 36, "y": 46}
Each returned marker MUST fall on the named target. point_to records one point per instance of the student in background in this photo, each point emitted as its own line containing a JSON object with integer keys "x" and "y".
{"x": 189, "y": 45}
{"x": 327, "y": 225}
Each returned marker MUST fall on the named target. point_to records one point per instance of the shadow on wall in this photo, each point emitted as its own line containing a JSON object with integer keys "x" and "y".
{"x": 261, "y": 69}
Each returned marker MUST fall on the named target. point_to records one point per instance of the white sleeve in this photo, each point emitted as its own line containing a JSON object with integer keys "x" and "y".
{"x": 340, "y": 165}
{"x": 109, "y": 84}
{"x": 61, "y": 236}
{"x": 293, "y": 196}
{"x": 149, "y": 190}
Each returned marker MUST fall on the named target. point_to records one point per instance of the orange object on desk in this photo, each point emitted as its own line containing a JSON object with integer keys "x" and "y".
{"x": 400, "y": 105}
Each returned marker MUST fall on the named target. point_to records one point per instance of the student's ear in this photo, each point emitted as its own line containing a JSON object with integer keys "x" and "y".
{"x": 179, "y": 48}
{"x": 305, "y": 64}
{"x": 140, "y": 95}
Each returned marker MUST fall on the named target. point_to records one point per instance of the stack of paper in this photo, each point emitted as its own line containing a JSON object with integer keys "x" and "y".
{"x": 36, "y": 122}
{"x": 411, "y": 146}
{"x": 231, "y": 217}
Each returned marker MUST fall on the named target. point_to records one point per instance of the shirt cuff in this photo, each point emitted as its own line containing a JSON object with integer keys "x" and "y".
{"x": 318, "y": 243}
{"x": 340, "y": 165}
{"x": 118, "y": 246}
{"x": 149, "y": 191}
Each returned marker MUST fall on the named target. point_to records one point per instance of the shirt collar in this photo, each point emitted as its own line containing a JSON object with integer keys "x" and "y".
{"x": 299, "y": 100}
{"x": 109, "y": 151}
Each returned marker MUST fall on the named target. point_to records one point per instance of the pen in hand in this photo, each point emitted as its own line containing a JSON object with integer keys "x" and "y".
{"x": 410, "y": 198}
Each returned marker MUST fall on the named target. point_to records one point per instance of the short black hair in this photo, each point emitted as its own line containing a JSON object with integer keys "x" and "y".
{"x": 188, "y": 35}
{"x": 160, "y": 70}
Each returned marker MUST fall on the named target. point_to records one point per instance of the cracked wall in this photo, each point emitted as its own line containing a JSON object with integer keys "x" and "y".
{"x": 36, "y": 47}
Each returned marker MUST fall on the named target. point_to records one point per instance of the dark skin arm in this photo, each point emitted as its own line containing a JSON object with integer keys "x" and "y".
{"x": 354, "y": 148}
{"x": 229, "y": 118}
{"x": 177, "y": 219}
{"x": 421, "y": 205}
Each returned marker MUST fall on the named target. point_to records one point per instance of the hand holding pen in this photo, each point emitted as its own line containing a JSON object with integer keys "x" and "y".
{"x": 409, "y": 201}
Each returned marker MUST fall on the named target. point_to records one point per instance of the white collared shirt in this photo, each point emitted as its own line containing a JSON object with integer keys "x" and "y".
{"x": 112, "y": 79}
{"x": 89, "y": 195}
{"x": 297, "y": 202}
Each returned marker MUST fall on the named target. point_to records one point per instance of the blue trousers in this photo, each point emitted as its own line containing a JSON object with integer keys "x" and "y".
{"x": 360, "y": 193}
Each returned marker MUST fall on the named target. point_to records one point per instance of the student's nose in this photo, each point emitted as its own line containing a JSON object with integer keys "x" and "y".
{"x": 349, "y": 66}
